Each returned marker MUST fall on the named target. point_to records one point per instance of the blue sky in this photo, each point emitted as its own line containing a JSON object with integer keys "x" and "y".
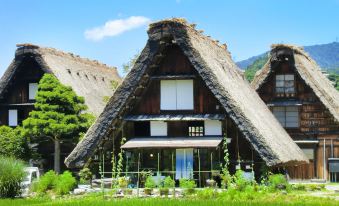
{"x": 248, "y": 27}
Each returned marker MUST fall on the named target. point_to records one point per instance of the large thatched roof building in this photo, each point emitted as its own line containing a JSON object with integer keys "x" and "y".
{"x": 173, "y": 46}
{"x": 88, "y": 78}
{"x": 305, "y": 103}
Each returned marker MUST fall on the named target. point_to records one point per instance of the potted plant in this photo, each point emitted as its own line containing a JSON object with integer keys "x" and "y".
{"x": 149, "y": 185}
{"x": 168, "y": 183}
{"x": 188, "y": 185}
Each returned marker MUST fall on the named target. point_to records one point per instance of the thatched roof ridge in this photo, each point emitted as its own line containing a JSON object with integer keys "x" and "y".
{"x": 88, "y": 78}
{"x": 220, "y": 74}
{"x": 310, "y": 72}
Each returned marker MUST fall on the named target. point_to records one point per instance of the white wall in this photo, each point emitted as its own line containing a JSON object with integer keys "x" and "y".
{"x": 213, "y": 127}
{"x": 12, "y": 117}
{"x": 158, "y": 128}
{"x": 184, "y": 94}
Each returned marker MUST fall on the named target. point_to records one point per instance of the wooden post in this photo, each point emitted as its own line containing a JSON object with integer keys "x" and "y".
{"x": 138, "y": 174}
{"x": 199, "y": 167}
{"x": 211, "y": 164}
{"x": 324, "y": 159}
{"x": 158, "y": 173}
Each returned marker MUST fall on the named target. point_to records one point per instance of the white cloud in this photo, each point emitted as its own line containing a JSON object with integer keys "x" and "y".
{"x": 115, "y": 27}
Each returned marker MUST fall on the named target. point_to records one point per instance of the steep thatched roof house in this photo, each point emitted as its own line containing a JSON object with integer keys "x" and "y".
{"x": 210, "y": 99}
{"x": 306, "y": 104}
{"x": 18, "y": 85}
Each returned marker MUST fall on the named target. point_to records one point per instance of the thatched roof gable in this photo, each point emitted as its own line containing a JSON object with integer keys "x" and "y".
{"x": 221, "y": 75}
{"x": 88, "y": 78}
{"x": 309, "y": 71}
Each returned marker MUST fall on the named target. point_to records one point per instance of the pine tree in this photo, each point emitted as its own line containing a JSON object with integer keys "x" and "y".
{"x": 58, "y": 114}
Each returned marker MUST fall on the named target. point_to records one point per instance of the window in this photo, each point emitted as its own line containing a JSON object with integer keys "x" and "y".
{"x": 13, "y": 117}
{"x": 158, "y": 128}
{"x": 309, "y": 153}
{"x": 287, "y": 116}
{"x": 213, "y": 127}
{"x": 195, "y": 129}
{"x": 32, "y": 90}
{"x": 176, "y": 95}
{"x": 285, "y": 83}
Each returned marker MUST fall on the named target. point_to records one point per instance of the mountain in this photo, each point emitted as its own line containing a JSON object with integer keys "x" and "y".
{"x": 326, "y": 55}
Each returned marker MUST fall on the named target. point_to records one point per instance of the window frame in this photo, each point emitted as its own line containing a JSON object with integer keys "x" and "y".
{"x": 283, "y": 88}
{"x": 286, "y": 112}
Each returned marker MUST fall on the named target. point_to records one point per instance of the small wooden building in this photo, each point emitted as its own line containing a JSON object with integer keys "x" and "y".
{"x": 306, "y": 104}
{"x": 19, "y": 84}
{"x": 182, "y": 98}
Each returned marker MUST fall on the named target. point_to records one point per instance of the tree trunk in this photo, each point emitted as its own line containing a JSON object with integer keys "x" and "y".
{"x": 57, "y": 155}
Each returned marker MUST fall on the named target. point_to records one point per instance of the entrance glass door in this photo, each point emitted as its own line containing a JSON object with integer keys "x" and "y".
{"x": 184, "y": 163}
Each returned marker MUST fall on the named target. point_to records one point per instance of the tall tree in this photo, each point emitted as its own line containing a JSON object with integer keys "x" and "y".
{"x": 58, "y": 114}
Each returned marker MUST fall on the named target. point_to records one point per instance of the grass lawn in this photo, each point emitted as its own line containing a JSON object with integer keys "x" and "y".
{"x": 97, "y": 201}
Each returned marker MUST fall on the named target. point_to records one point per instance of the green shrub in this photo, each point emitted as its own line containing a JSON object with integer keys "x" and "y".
{"x": 85, "y": 176}
{"x": 150, "y": 183}
{"x": 240, "y": 182}
{"x": 11, "y": 175}
{"x": 207, "y": 193}
{"x": 188, "y": 185}
{"x": 169, "y": 182}
{"x": 315, "y": 187}
{"x": 66, "y": 182}
{"x": 299, "y": 187}
{"x": 13, "y": 143}
{"x": 277, "y": 182}
{"x": 46, "y": 182}
{"x": 123, "y": 182}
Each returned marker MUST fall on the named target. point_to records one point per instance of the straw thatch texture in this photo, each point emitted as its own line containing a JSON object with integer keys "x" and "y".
{"x": 215, "y": 66}
{"x": 88, "y": 78}
{"x": 309, "y": 71}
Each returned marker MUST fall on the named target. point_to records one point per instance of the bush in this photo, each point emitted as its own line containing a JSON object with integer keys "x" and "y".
{"x": 85, "y": 176}
{"x": 46, "y": 182}
{"x": 123, "y": 182}
{"x": 168, "y": 182}
{"x": 188, "y": 185}
{"x": 13, "y": 143}
{"x": 299, "y": 187}
{"x": 150, "y": 183}
{"x": 277, "y": 182}
{"x": 207, "y": 193}
{"x": 66, "y": 182}
{"x": 240, "y": 181}
{"x": 11, "y": 175}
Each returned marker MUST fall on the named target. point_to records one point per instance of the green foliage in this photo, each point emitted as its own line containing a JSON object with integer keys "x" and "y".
{"x": 278, "y": 182}
{"x": 58, "y": 111}
{"x": 85, "y": 175}
{"x": 255, "y": 66}
{"x": 150, "y": 183}
{"x": 11, "y": 175}
{"x": 13, "y": 143}
{"x": 123, "y": 182}
{"x": 129, "y": 65}
{"x": 119, "y": 167}
{"x": 58, "y": 114}
{"x": 46, "y": 182}
{"x": 66, "y": 182}
{"x": 187, "y": 183}
{"x": 334, "y": 77}
{"x": 225, "y": 174}
{"x": 207, "y": 193}
{"x": 168, "y": 182}
{"x": 239, "y": 181}
{"x": 60, "y": 184}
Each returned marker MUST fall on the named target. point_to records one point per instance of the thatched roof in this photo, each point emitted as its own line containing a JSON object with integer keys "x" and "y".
{"x": 309, "y": 71}
{"x": 88, "y": 78}
{"x": 221, "y": 75}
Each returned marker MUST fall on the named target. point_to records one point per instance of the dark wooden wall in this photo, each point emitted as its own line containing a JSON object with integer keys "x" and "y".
{"x": 16, "y": 93}
{"x": 176, "y": 63}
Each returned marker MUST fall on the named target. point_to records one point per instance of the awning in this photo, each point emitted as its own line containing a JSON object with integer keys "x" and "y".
{"x": 172, "y": 142}
{"x": 175, "y": 117}
{"x": 306, "y": 141}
